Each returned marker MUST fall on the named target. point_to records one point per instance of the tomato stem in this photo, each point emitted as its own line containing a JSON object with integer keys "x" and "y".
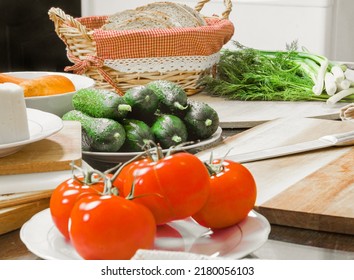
{"x": 85, "y": 173}
{"x": 91, "y": 178}
{"x": 131, "y": 195}
{"x": 107, "y": 189}
{"x": 178, "y": 148}
{"x": 121, "y": 166}
{"x": 210, "y": 169}
{"x": 215, "y": 168}
{"x": 224, "y": 157}
{"x": 108, "y": 171}
{"x": 159, "y": 152}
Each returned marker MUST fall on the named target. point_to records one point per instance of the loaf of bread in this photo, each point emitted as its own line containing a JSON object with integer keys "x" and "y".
{"x": 122, "y": 16}
{"x": 174, "y": 11}
{"x": 200, "y": 19}
{"x": 138, "y": 21}
{"x": 155, "y": 15}
{"x": 47, "y": 85}
{"x": 5, "y": 78}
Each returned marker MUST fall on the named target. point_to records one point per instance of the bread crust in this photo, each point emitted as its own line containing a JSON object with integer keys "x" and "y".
{"x": 47, "y": 85}
{"x": 141, "y": 22}
{"x": 195, "y": 14}
{"x": 155, "y": 15}
{"x": 174, "y": 11}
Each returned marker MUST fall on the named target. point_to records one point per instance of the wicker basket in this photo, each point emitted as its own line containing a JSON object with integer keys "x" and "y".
{"x": 83, "y": 50}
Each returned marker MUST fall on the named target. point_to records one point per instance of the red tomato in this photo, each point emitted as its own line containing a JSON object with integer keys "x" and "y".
{"x": 232, "y": 196}
{"x": 110, "y": 227}
{"x": 63, "y": 199}
{"x": 174, "y": 187}
{"x": 120, "y": 179}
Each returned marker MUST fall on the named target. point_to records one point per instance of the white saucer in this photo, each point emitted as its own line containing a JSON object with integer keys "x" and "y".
{"x": 44, "y": 240}
{"x": 40, "y": 124}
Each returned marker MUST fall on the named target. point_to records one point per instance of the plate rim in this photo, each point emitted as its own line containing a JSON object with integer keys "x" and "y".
{"x": 71, "y": 76}
{"x": 39, "y": 117}
{"x": 45, "y": 214}
{"x": 114, "y": 155}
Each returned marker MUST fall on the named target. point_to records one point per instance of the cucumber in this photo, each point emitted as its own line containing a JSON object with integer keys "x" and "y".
{"x": 169, "y": 130}
{"x": 138, "y": 134}
{"x": 144, "y": 103}
{"x": 100, "y": 103}
{"x": 201, "y": 120}
{"x": 100, "y": 134}
{"x": 172, "y": 97}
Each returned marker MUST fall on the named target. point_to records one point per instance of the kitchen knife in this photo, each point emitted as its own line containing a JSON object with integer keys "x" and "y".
{"x": 342, "y": 139}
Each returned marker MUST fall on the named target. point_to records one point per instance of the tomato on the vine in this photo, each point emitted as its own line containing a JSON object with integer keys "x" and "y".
{"x": 63, "y": 198}
{"x": 172, "y": 187}
{"x": 110, "y": 227}
{"x": 232, "y": 195}
{"x": 128, "y": 168}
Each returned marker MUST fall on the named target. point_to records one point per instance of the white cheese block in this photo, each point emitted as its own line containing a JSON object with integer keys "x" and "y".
{"x": 13, "y": 114}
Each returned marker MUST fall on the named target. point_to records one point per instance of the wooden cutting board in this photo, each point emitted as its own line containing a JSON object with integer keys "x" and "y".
{"x": 12, "y": 218}
{"x": 16, "y": 209}
{"x": 246, "y": 114}
{"x": 313, "y": 190}
{"x": 51, "y": 154}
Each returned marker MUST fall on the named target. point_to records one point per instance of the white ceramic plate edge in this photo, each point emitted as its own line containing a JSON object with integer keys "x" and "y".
{"x": 113, "y": 157}
{"x": 79, "y": 81}
{"x": 35, "y": 235}
{"x": 49, "y": 123}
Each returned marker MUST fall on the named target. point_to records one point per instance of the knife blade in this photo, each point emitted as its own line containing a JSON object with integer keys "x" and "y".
{"x": 341, "y": 139}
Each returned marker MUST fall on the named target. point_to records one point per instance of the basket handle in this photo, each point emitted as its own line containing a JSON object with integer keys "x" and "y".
{"x": 224, "y": 15}
{"x": 60, "y": 18}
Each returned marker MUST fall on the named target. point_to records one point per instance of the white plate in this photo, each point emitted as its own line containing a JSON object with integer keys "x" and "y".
{"x": 44, "y": 240}
{"x": 122, "y": 157}
{"x": 57, "y": 104}
{"x": 40, "y": 124}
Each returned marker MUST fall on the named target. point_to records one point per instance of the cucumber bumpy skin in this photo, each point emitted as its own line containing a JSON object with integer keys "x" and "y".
{"x": 144, "y": 103}
{"x": 138, "y": 135}
{"x": 169, "y": 130}
{"x": 100, "y": 103}
{"x": 102, "y": 134}
{"x": 172, "y": 97}
{"x": 201, "y": 120}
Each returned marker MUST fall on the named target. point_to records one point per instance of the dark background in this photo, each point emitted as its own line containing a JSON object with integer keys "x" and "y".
{"x": 28, "y": 41}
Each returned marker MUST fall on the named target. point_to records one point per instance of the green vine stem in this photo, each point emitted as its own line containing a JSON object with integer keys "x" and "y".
{"x": 214, "y": 168}
{"x": 93, "y": 176}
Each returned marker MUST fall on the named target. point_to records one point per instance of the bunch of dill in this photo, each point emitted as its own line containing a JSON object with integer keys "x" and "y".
{"x": 250, "y": 74}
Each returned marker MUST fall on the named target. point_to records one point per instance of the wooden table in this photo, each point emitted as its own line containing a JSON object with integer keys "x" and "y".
{"x": 284, "y": 242}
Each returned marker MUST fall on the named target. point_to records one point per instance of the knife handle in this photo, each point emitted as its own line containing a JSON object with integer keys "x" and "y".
{"x": 341, "y": 139}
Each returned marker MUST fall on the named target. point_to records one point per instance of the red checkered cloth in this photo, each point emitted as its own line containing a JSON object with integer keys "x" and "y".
{"x": 196, "y": 41}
